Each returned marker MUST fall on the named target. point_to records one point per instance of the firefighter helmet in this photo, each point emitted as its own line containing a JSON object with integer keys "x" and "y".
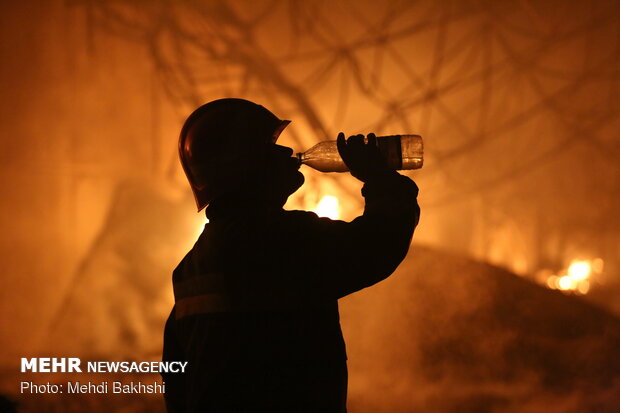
{"x": 218, "y": 143}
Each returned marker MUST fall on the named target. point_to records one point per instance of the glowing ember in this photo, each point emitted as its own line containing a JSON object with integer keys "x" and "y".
{"x": 583, "y": 287}
{"x": 566, "y": 283}
{"x": 579, "y": 270}
{"x": 328, "y": 207}
{"x": 552, "y": 282}
{"x": 576, "y": 278}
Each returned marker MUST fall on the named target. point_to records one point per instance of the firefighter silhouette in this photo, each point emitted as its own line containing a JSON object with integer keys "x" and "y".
{"x": 256, "y": 298}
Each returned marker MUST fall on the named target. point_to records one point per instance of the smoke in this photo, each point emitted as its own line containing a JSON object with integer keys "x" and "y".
{"x": 447, "y": 334}
{"x": 117, "y": 302}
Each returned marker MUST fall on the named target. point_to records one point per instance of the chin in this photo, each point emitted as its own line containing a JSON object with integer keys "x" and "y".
{"x": 294, "y": 184}
{"x": 300, "y": 181}
{"x": 284, "y": 187}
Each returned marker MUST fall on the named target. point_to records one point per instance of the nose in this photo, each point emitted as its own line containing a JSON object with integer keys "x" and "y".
{"x": 285, "y": 150}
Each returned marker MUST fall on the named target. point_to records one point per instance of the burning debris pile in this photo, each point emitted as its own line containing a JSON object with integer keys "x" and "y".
{"x": 448, "y": 334}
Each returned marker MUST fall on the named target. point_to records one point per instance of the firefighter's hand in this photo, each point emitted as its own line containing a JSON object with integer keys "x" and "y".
{"x": 363, "y": 159}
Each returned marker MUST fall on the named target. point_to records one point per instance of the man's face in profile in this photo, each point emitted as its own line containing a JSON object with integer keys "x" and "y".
{"x": 282, "y": 176}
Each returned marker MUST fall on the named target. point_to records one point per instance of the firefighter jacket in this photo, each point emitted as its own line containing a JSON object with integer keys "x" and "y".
{"x": 256, "y": 311}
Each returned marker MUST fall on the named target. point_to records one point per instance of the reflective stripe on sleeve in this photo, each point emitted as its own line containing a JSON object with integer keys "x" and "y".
{"x": 203, "y": 304}
{"x": 198, "y": 285}
{"x": 205, "y": 294}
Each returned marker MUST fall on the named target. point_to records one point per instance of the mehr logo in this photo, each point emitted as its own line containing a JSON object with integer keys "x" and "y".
{"x": 51, "y": 365}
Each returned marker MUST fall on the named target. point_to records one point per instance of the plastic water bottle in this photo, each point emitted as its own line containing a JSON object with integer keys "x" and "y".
{"x": 400, "y": 151}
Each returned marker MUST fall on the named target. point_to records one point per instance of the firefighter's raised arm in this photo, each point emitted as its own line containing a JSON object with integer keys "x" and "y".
{"x": 340, "y": 257}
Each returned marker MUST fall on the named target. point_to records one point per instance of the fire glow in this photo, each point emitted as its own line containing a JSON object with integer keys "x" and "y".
{"x": 328, "y": 207}
{"x": 577, "y": 277}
